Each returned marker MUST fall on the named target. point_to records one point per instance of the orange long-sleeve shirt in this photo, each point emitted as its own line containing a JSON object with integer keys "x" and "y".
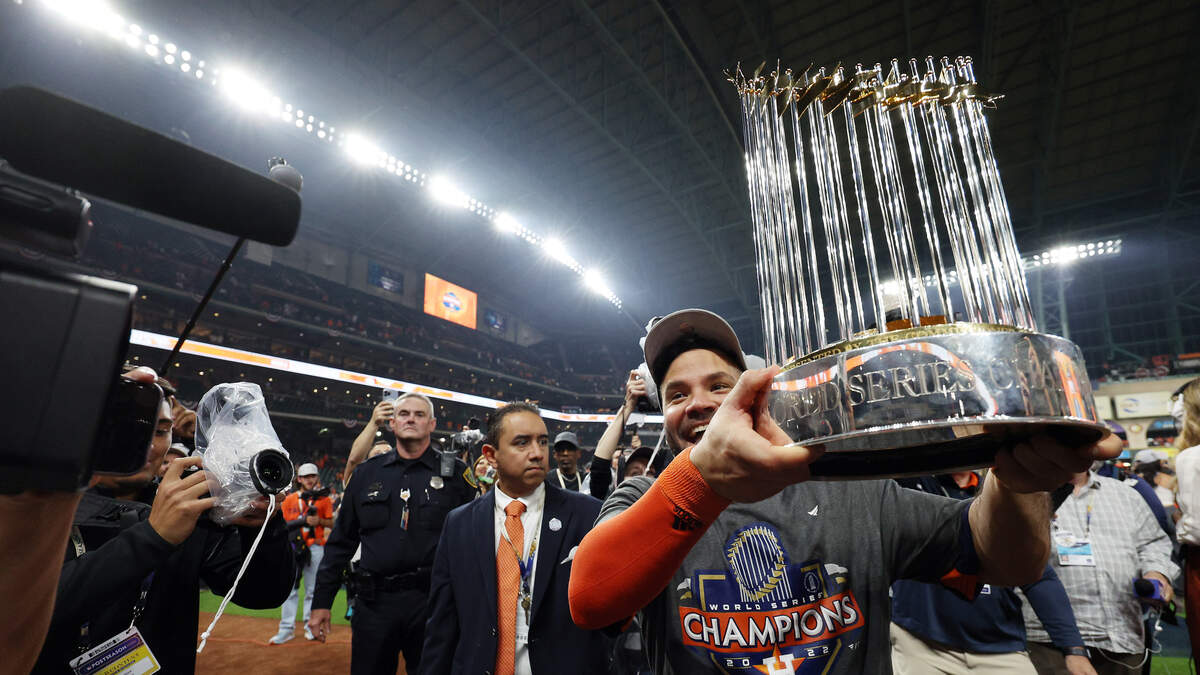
{"x": 294, "y": 508}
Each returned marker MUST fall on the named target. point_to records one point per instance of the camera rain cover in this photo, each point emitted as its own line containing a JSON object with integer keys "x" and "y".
{"x": 232, "y": 427}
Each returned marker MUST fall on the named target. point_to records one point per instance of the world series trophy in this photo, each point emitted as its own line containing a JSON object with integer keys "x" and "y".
{"x": 879, "y": 194}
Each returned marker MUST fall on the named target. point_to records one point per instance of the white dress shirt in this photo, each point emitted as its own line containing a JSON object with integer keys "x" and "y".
{"x": 531, "y": 522}
{"x": 1187, "y": 470}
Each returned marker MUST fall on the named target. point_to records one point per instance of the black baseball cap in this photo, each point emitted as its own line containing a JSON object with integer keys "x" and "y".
{"x": 566, "y": 438}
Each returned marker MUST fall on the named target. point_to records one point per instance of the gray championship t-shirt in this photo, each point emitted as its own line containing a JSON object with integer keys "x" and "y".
{"x": 797, "y": 583}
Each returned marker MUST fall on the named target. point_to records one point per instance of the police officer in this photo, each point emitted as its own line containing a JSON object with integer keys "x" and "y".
{"x": 395, "y": 507}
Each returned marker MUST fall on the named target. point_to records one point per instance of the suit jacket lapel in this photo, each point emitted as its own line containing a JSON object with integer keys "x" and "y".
{"x": 483, "y": 530}
{"x": 550, "y": 544}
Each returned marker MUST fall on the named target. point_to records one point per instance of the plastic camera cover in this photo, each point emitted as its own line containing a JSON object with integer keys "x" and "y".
{"x": 232, "y": 425}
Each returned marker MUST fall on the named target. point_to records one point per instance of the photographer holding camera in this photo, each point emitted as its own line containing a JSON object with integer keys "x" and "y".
{"x": 137, "y": 552}
{"x": 309, "y": 515}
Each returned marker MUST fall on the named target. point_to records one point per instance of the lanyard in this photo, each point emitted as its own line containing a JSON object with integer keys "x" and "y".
{"x": 524, "y": 564}
{"x": 1087, "y": 520}
{"x": 140, "y": 606}
{"x": 561, "y": 484}
{"x": 77, "y": 541}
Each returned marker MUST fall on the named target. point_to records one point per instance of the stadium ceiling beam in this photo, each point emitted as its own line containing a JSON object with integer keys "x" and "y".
{"x": 767, "y": 48}
{"x": 1176, "y": 158}
{"x": 986, "y": 16}
{"x": 906, "y": 9}
{"x": 611, "y": 42}
{"x": 1059, "y": 59}
{"x": 715, "y": 252}
{"x": 1181, "y": 145}
{"x": 700, "y": 71}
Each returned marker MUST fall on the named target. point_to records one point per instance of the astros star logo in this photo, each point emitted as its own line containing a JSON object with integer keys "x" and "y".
{"x": 778, "y": 663}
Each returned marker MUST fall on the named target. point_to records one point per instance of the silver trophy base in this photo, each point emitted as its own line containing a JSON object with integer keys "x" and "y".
{"x": 933, "y": 399}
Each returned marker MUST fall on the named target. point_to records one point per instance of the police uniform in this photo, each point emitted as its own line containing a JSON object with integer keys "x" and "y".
{"x": 395, "y": 508}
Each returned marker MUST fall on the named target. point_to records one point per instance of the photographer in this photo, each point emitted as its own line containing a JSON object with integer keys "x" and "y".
{"x": 138, "y": 551}
{"x": 308, "y": 514}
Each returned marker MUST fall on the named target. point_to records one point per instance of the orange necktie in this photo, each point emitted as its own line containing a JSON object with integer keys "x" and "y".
{"x": 508, "y": 587}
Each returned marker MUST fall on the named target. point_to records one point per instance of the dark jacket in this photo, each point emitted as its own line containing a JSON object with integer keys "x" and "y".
{"x": 460, "y": 636}
{"x": 1146, "y": 490}
{"x": 372, "y": 514}
{"x": 991, "y": 623}
{"x": 101, "y": 587}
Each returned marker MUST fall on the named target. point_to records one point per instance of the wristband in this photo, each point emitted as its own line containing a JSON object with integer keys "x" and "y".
{"x": 1076, "y": 651}
{"x": 687, "y": 490}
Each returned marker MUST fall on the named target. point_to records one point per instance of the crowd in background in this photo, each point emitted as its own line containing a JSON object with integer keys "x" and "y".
{"x": 290, "y": 313}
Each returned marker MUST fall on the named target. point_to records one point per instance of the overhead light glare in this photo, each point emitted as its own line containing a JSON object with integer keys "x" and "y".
{"x": 363, "y": 151}
{"x": 94, "y": 14}
{"x": 506, "y": 223}
{"x": 556, "y": 249}
{"x": 1063, "y": 255}
{"x": 594, "y": 280}
{"x": 244, "y": 91}
{"x": 1066, "y": 255}
{"x": 443, "y": 190}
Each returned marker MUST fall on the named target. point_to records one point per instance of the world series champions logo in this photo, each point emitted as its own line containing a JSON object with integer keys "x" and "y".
{"x": 765, "y": 614}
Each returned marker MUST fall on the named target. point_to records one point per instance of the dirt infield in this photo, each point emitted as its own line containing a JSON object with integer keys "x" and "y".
{"x": 239, "y": 645}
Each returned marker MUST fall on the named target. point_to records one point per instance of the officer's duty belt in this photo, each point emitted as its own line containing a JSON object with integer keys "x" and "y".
{"x": 416, "y": 580}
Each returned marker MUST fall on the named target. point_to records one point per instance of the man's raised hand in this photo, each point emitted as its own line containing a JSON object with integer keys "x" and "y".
{"x": 744, "y": 456}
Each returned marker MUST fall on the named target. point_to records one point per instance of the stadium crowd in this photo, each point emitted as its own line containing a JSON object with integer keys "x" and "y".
{"x": 291, "y": 313}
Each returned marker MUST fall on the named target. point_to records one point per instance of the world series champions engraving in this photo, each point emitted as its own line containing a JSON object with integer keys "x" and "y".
{"x": 890, "y": 285}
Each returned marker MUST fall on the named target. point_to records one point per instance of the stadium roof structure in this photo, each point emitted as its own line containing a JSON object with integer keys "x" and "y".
{"x": 610, "y": 125}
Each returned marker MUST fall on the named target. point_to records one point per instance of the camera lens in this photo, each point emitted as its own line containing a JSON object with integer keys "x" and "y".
{"x": 271, "y": 471}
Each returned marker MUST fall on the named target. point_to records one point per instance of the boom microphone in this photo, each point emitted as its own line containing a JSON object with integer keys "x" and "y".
{"x": 66, "y": 142}
{"x": 281, "y": 172}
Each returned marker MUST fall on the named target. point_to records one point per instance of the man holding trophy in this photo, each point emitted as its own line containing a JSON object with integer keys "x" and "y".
{"x": 745, "y": 555}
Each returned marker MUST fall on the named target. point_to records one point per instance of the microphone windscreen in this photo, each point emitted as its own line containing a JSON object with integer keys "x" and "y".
{"x": 76, "y": 146}
{"x": 1143, "y": 588}
{"x": 286, "y": 174}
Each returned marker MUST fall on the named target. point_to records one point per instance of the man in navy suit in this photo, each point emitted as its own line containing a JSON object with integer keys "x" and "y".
{"x": 499, "y": 584}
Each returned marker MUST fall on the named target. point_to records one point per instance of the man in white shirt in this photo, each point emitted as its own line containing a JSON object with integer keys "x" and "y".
{"x": 1105, "y": 538}
{"x": 498, "y": 595}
